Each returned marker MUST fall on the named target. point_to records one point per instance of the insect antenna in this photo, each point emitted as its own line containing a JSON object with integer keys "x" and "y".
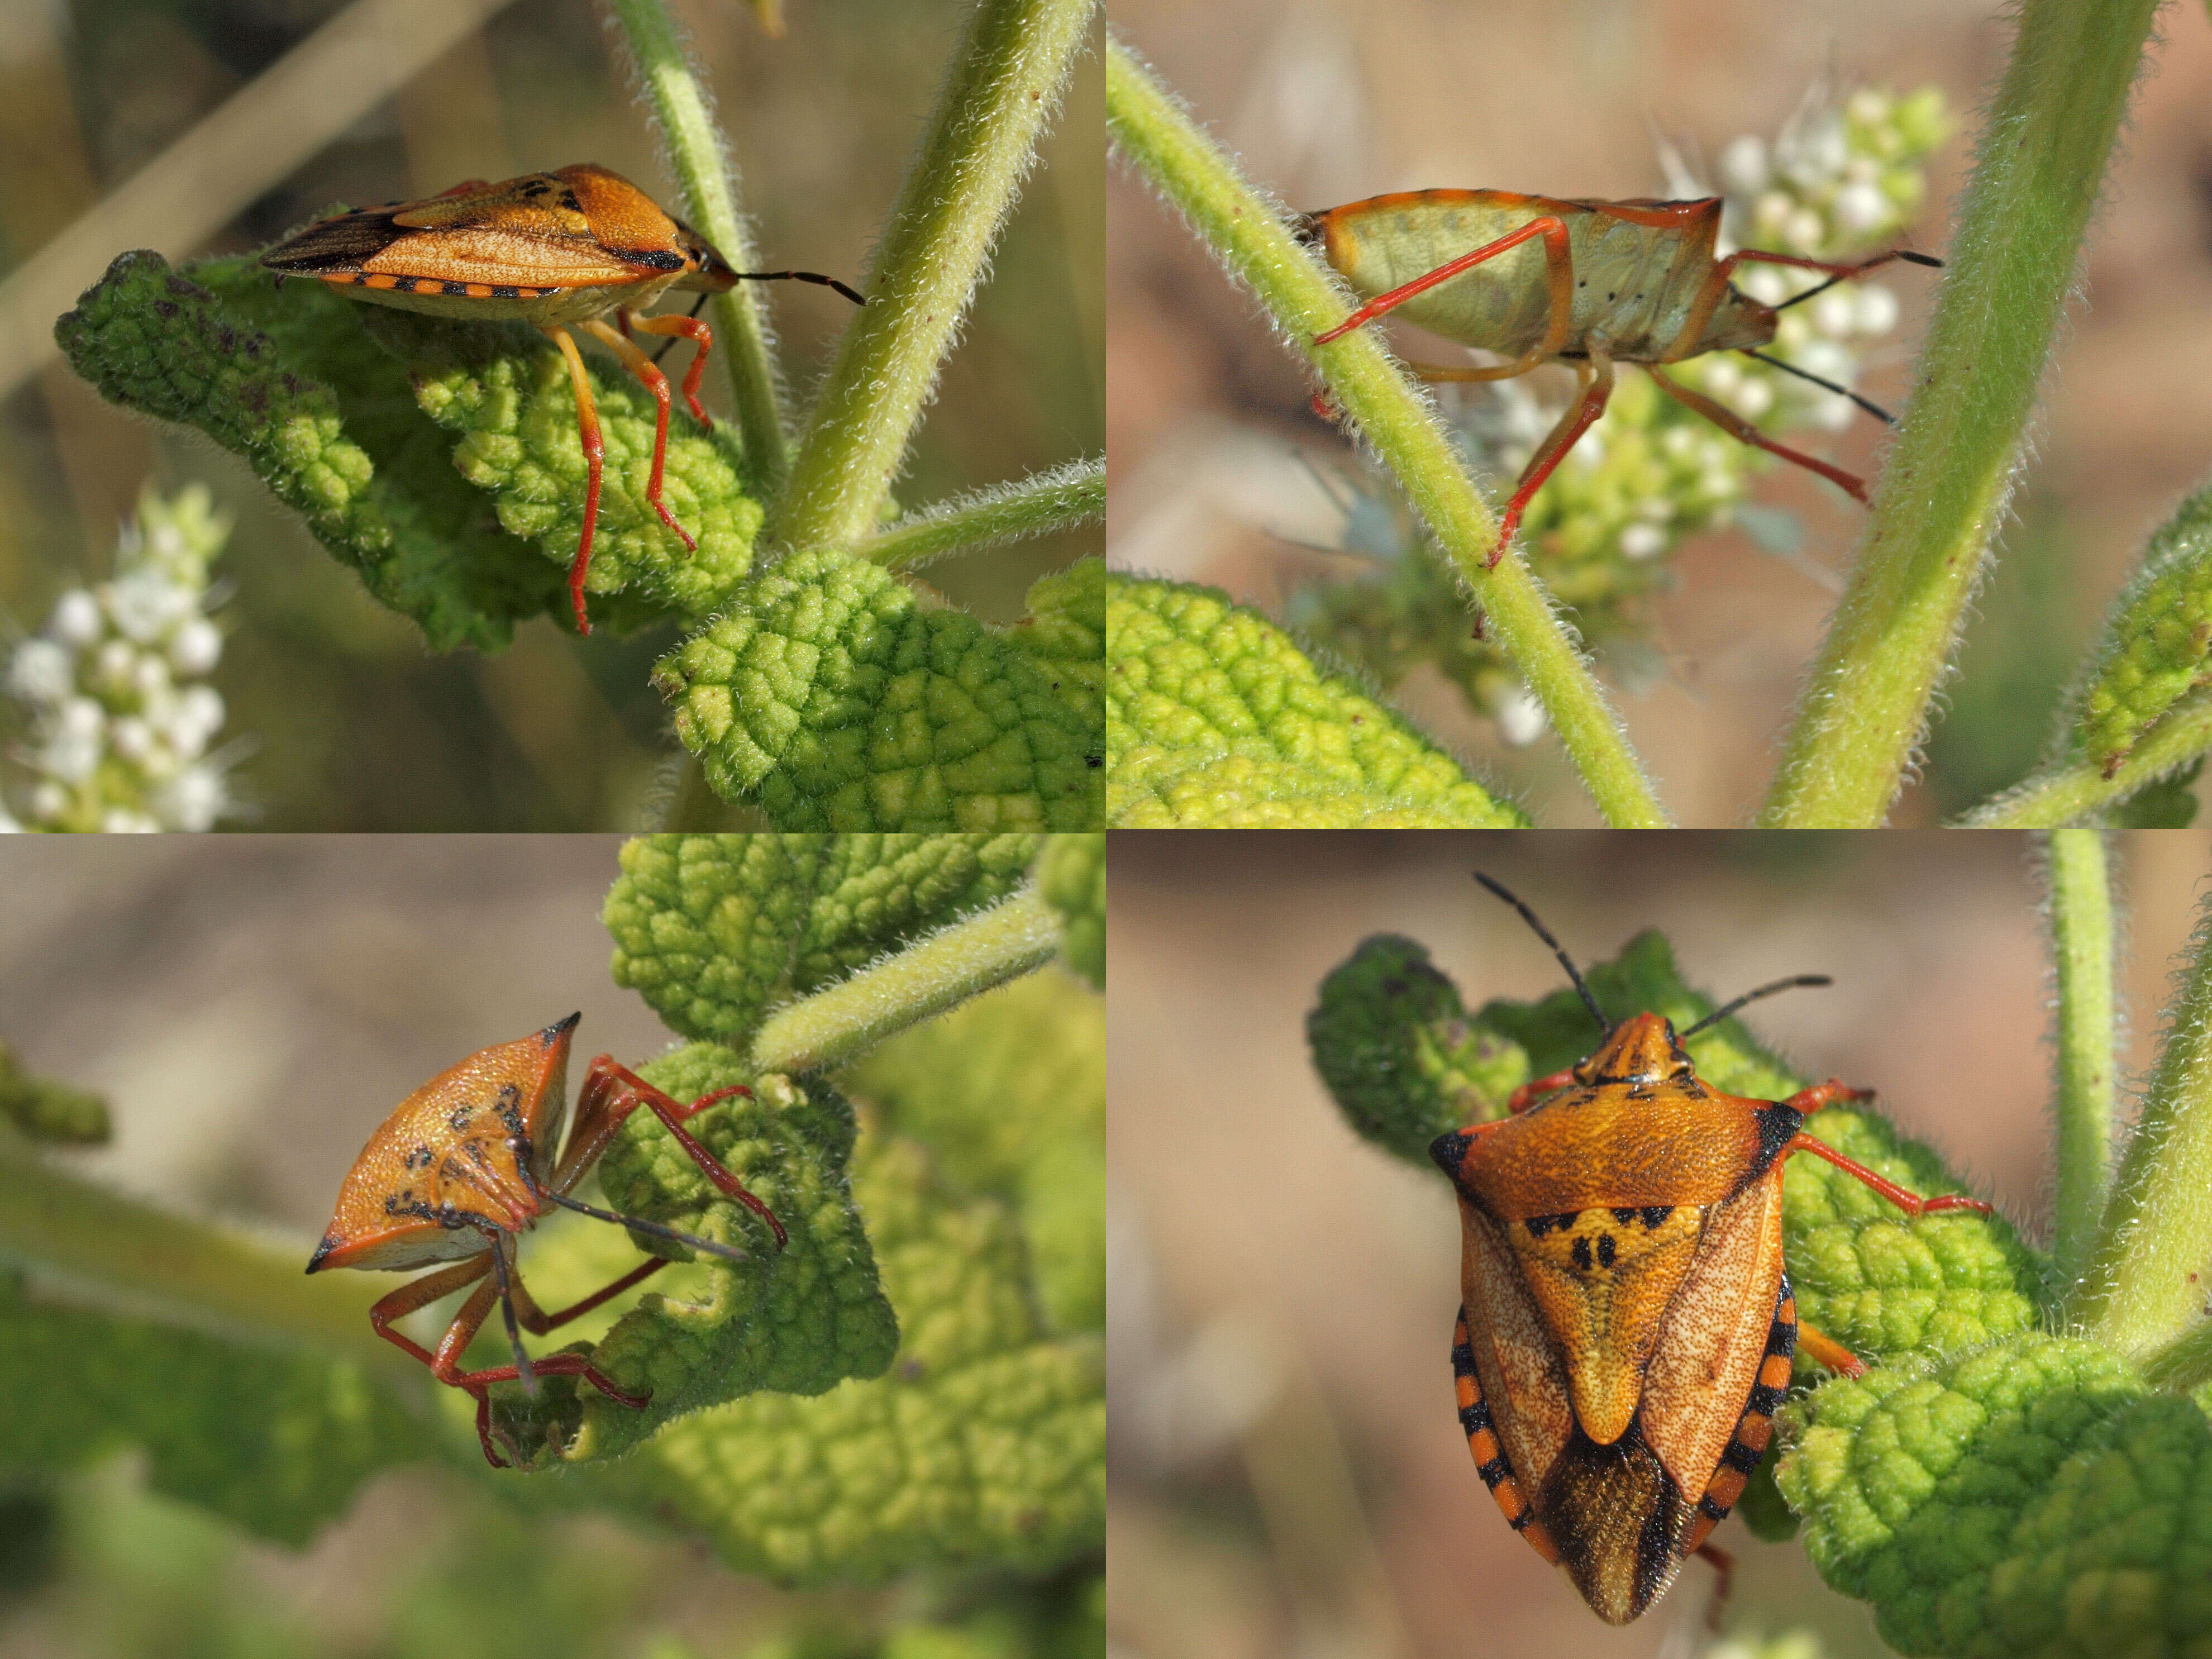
{"x": 854, "y": 295}
{"x": 523, "y": 1374}
{"x": 1867, "y": 404}
{"x": 728, "y": 1251}
{"x": 1818, "y": 288}
{"x": 1719, "y": 1014}
{"x": 1557, "y": 950}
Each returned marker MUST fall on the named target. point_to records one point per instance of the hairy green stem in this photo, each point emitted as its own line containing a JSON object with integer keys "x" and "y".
{"x": 1246, "y": 233}
{"x": 743, "y": 338}
{"x": 2183, "y": 1364}
{"x": 920, "y": 981}
{"x": 1006, "y": 82}
{"x": 211, "y": 1276}
{"x": 2018, "y": 245}
{"x": 2082, "y": 956}
{"x": 2071, "y": 791}
{"x": 1061, "y": 499}
{"x": 2141, "y": 1285}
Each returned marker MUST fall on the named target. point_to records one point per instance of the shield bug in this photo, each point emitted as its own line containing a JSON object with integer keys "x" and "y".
{"x": 1634, "y": 282}
{"x": 555, "y": 249}
{"x": 466, "y": 1164}
{"x": 1626, "y": 1327}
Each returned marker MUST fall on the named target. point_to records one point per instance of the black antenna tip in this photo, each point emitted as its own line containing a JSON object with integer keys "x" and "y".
{"x": 1927, "y": 259}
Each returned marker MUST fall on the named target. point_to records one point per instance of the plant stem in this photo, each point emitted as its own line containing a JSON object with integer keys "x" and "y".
{"x": 2139, "y": 1287}
{"x": 2014, "y": 257}
{"x": 2069, "y": 793}
{"x": 1061, "y": 499}
{"x": 743, "y": 337}
{"x": 1246, "y": 233}
{"x": 920, "y": 982}
{"x": 1006, "y": 82}
{"x": 2183, "y": 1364}
{"x": 208, "y": 1277}
{"x": 2082, "y": 955}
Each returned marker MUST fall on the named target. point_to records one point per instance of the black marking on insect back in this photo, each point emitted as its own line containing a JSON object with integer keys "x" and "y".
{"x": 458, "y": 1119}
{"x": 454, "y": 287}
{"x": 504, "y": 291}
{"x": 1582, "y": 1254}
{"x": 1624, "y": 1217}
{"x": 1739, "y": 1457}
{"x": 1606, "y": 1250}
{"x": 509, "y": 1108}
{"x": 330, "y": 1241}
{"x": 420, "y": 1158}
{"x": 1777, "y": 1127}
{"x": 1654, "y": 1215}
{"x": 1711, "y": 1510}
{"x": 1493, "y": 1472}
{"x": 653, "y": 258}
{"x": 1477, "y": 1416}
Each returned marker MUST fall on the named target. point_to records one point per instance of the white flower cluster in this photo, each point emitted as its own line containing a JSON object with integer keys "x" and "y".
{"x": 119, "y": 723}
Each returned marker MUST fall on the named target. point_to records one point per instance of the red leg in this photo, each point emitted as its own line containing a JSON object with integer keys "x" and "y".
{"x": 1723, "y": 1581}
{"x": 694, "y": 330}
{"x": 588, "y": 430}
{"x": 656, "y": 382}
{"x": 1910, "y": 1203}
{"x": 1742, "y": 430}
{"x": 1559, "y": 270}
{"x": 1536, "y": 1088}
{"x": 1809, "y": 1100}
{"x": 420, "y": 1293}
{"x": 1820, "y": 1346}
{"x": 538, "y": 1322}
{"x": 1597, "y": 386}
{"x": 611, "y": 1092}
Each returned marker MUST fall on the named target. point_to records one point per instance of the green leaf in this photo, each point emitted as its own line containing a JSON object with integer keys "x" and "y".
{"x": 1215, "y": 720}
{"x": 1072, "y": 879}
{"x": 276, "y": 1440}
{"x": 43, "y": 1110}
{"x": 2157, "y": 642}
{"x": 827, "y": 696}
{"x": 985, "y": 1441}
{"x": 2031, "y": 1497}
{"x": 799, "y": 1320}
{"x": 1009, "y": 1092}
{"x": 711, "y": 929}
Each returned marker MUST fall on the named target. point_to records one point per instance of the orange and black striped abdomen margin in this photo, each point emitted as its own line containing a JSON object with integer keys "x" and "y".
{"x": 1490, "y": 1461}
{"x": 1755, "y": 1428}
{"x": 384, "y": 281}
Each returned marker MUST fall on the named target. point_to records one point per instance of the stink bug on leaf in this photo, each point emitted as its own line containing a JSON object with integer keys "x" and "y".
{"x": 1634, "y": 282}
{"x": 554, "y": 250}
{"x": 1626, "y": 1329}
{"x": 466, "y": 1166}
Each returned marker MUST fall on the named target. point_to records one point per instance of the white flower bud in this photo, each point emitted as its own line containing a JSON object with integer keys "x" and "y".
{"x": 196, "y": 800}
{"x": 1806, "y": 230}
{"x": 197, "y": 647}
{"x": 131, "y": 738}
{"x": 1860, "y": 207}
{"x": 1743, "y": 165}
{"x": 113, "y": 664}
{"x": 1753, "y": 397}
{"x": 76, "y": 619}
{"x": 49, "y": 802}
{"x": 1835, "y": 314}
{"x": 1642, "y": 541}
{"x": 42, "y": 671}
{"x": 149, "y": 676}
{"x": 122, "y": 821}
{"x": 1877, "y": 311}
{"x": 1521, "y": 718}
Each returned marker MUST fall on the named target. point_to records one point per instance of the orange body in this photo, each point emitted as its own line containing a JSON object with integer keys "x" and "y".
{"x": 466, "y": 1166}
{"x": 553, "y": 249}
{"x": 1627, "y": 1327}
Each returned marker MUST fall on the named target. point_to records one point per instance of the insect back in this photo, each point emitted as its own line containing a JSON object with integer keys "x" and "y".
{"x": 1627, "y": 1328}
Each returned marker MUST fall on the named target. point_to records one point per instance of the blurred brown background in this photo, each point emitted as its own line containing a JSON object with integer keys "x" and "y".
{"x": 1288, "y": 1476}
{"x": 354, "y": 727}
{"x": 1330, "y": 100}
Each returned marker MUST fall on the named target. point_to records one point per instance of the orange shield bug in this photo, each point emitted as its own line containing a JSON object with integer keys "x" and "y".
{"x": 555, "y": 250}
{"x": 1626, "y": 1329}
{"x": 1634, "y": 282}
{"x": 466, "y": 1166}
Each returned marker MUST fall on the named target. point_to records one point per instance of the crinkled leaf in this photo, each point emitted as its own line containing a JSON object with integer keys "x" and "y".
{"x": 711, "y": 929}
{"x": 984, "y": 1443}
{"x": 275, "y": 1441}
{"x": 796, "y": 1321}
{"x": 1071, "y": 877}
{"x": 1009, "y": 1090}
{"x": 2028, "y": 1500}
{"x": 1884, "y": 1284}
{"x": 827, "y": 696}
{"x": 2157, "y": 643}
{"x": 1215, "y": 720}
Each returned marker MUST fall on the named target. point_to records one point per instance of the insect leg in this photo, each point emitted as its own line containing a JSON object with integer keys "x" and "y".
{"x": 611, "y": 1092}
{"x": 1723, "y": 1581}
{"x": 420, "y": 1293}
{"x": 1536, "y": 1088}
{"x": 1736, "y": 426}
{"x": 538, "y": 1322}
{"x": 701, "y": 335}
{"x": 656, "y": 382}
{"x": 1560, "y": 275}
{"x": 1910, "y": 1203}
{"x": 1826, "y": 1351}
{"x": 588, "y": 430}
{"x": 504, "y": 1280}
{"x": 1596, "y": 373}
